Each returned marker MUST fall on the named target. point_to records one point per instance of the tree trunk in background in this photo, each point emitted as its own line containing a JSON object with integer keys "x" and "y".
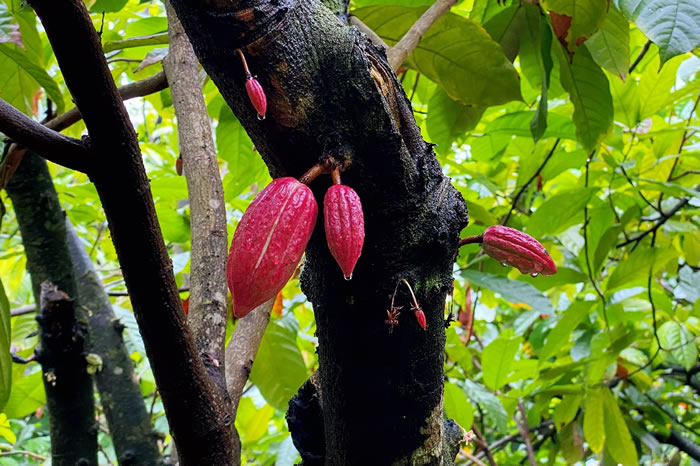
{"x": 62, "y": 326}
{"x": 331, "y": 92}
{"x": 135, "y": 442}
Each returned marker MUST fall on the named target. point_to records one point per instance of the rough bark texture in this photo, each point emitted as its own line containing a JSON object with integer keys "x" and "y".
{"x": 202, "y": 432}
{"x": 331, "y": 92}
{"x": 241, "y": 350}
{"x": 207, "y": 305}
{"x": 67, "y": 383}
{"x": 63, "y": 330}
{"x": 135, "y": 442}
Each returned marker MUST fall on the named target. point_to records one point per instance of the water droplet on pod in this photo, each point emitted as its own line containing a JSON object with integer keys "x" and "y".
{"x": 348, "y": 278}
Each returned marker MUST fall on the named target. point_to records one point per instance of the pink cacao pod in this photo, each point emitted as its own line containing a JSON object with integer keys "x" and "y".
{"x": 517, "y": 249}
{"x": 420, "y": 317}
{"x": 269, "y": 242}
{"x": 256, "y": 96}
{"x": 345, "y": 226}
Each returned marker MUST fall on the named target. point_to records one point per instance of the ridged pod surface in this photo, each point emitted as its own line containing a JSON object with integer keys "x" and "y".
{"x": 520, "y": 250}
{"x": 345, "y": 226}
{"x": 269, "y": 242}
{"x": 256, "y": 94}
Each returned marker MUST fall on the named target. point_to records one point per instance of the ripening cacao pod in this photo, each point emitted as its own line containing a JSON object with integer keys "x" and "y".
{"x": 178, "y": 166}
{"x": 517, "y": 249}
{"x": 256, "y": 96}
{"x": 269, "y": 242}
{"x": 420, "y": 317}
{"x": 345, "y": 226}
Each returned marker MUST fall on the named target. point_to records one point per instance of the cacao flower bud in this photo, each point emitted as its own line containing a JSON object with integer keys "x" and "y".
{"x": 345, "y": 226}
{"x": 420, "y": 317}
{"x": 517, "y": 249}
{"x": 256, "y": 96}
{"x": 269, "y": 242}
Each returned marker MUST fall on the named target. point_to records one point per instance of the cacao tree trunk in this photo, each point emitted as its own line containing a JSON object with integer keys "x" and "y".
{"x": 331, "y": 92}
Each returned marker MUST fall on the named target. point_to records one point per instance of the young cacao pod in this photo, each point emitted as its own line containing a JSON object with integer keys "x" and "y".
{"x": 517, "y": 249}
{"x": 345, "y": 226}
{"x": 256, "y": 96}
{"x": 269, "y": 242}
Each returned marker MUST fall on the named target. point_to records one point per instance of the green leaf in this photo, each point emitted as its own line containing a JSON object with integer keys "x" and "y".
{"x": 610, "y": 46}
{"x": 556, "y": 213}
{"x": 108, "y": 6}
{"x": 618, "y": 440}
{"x": 506, "y": 29}
{"x": 251, "y": 421}
{"x": 514, "y": 291}
{"x": 593, "y": 422}
{"x": 457, "y": 406}
{"x": 566, "y": 410}
{"x": 675, "y": 337}
{"x": 27, "y": 395}
{"x": 448, "y": 120}
{"x": 455, "y": 52}
{"x": 540, "y": 36}
{"x": 586, "y": 17}
{"x": 245, "y": 167}
{"x": 626, "y": 101}
{"x": 589, "y": 91}
{"x": 571, "y": 443}
{"x": 559, "y": 335}
{"x": 497, "y": 359}
{"x": 635, "y": 267}
{"x": 279, "y": 368}
{"x": 5, "y": 340}
{"x": 518, "y": 124}
{"x": 489, "y": 402}
{"x": 153, "y": 39}
{"x": 655, "y": 85}
{"x": 37, "y": 73}
{"x": 673, "y": 25}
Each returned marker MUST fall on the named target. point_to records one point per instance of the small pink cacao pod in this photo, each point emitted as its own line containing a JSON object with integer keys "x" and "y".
{"x": 269, "y": 242}
{"x": 420, "y": 317}
{"x": 345, "y": 226}
{"x": 256, "y": 96}
{"x": 178, "y": 166}
{"x": 517, "y": 249}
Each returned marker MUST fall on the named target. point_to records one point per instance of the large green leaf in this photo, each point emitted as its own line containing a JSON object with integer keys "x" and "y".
{"x": 610, "y": 46}
{"x": 559, "y": 335}
{"x": 456, "y": 53}
{"x": 489, "y": 401}
{"x": 456, "y": 405}
{"x": 108, "y": 6}
{"x": 279, "y": 368}
{"x": 245, "y": 167}
{"x": 27, "y": 394}
{"x": 497, "y": 360}
{"x": 586, "y": 17}
{"x": 589, "y": 91}
{"x": 23, "y": 62}
{"x": 5, "y": 340}
{"x": 673, "y": 25}
{"x": 514, "y": 291}
{"x": 556, "y": 213}
{"x": 518, "y": 124}
{"x": 655, "y": 86}
{"x": 593, "y": 421}
{"x": 618, "y": 440}
{"x": 448, "y": 120}
{"x": 675, "y": 337}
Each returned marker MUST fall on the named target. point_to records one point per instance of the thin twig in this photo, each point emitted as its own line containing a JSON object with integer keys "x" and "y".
{"x": 19, "y": 311}
{"x": 527, "y": 183}
{"x": 482, "y": 442}
{"x": 636, "y": 61}
{"x": 585, "y": 245}
{"x": 665, "y": 216}
{"x": 525, "y": 433}
{"x": 25, "y": 453}
{"x": 403, "y": 48}
{"x": 472, "y": 458}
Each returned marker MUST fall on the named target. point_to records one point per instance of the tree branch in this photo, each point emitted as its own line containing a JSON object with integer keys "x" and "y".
{"x": 242, "y": 349}
{"x": 55, "y": 147}
{"x": 403, "y": 48}
{"x": 207, "y": 305}
{"x": 202, "y": 433}
{"x": 683, "y": 444}
{"x": 525, "y": 433}
{"x": 147, "y": 86}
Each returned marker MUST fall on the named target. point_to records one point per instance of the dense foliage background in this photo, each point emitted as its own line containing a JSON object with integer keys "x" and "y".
{"x": 591, "y": 146}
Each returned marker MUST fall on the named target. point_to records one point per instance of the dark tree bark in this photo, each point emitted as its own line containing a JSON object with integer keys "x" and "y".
{"x": 63, "y": 330}
{"x": 202, "y": 431}
{"x": 135, "y": 442}
{"x": 331, "y": 92}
